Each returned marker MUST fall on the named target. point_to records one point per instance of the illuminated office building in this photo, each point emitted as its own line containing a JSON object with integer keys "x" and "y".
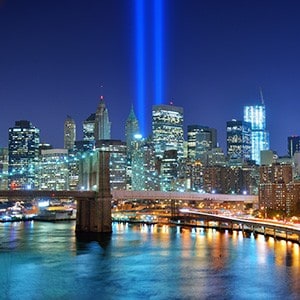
{"x": 54, "y": 170}
{"x": 216, "y": 157}
{"x": 69, "y": 133}
{"x": 238, "y": 141}
{"x": 167, "y": 129}
{"x": 89, "y": 128}
{"x": 3, "y": 168}
{"x": 194, "y": 174}
{"x": 256, "y": 116}
{"x": 144, "y": 176}
{"x": 23, "y": 154}
{"x": 169, "y": 170}
{"x": 200, "y": 140}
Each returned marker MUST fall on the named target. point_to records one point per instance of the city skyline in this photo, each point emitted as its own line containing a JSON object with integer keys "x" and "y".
{"x": 56, "y": 56}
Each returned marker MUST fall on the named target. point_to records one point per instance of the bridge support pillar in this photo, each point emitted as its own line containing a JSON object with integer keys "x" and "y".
{"x": 173, "y": 210}
{"x": 94, "y": 215}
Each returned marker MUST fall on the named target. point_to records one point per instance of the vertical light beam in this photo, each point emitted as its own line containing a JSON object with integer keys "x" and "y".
{"x": 140, "y": 62}
{"x": 158, "y": 51}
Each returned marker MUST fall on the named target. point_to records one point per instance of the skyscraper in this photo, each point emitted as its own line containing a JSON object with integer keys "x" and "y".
{"x": 256, "y": 116}
{"x": 293, "y": 144}
{"x": 131, "y": 129}
{"x": 102, "y": 123}
{"x": 169, "y": 170}
{"x": 200, "y": 140}
{"x": 117, "y": 162}
{"x": 167, "y": 129}
{"x": 88, "y": 142}
{"x": 238, "y": 141}
{"x": 54, "y": 171}
{"x": 23, "y": 152}
{"x": 3, "y": 168}
{"x": 144, "y": 176}
{"x": 96, "y": 127}
{"x": 69, "y": 133}
{"x": 89, "y": 166}
{"x": 89, "y": 128}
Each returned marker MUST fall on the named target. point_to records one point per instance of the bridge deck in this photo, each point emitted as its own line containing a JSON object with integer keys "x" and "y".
{"x": 129, "y": 195}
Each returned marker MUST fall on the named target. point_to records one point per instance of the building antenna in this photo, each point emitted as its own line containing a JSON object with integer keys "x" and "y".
{"x": 101, "y": 89}
{"x": 261, "y": 96}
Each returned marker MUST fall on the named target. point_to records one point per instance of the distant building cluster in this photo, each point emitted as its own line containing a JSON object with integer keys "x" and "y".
{"x": 163, "y": 161}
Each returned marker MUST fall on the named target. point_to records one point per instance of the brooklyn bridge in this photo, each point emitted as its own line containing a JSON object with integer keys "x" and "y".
{"x": 94, "y": 206}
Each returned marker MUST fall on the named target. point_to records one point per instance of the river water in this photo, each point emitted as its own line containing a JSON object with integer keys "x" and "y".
{"x": 45, "y": 261}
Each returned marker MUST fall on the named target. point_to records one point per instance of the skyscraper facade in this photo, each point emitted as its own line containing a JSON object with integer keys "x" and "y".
{"x": 69, "y": 133}
{"x": 167, "y": 129}
{"x": 117, "y": 162}
{"x": 256, "y": 116}
{"x": 23, "y": 155}
{"x": 201, "y": 139}
{"x": 102, "y": 123}
{"x": 89, "y": 166}
{"x": 3, "y": 168}
{"x": 238, "y": 141}
{"x": 54, "y": 170}
{"x": 169, "y": 170}
{"x": 88, "y": 142}
{"x": 144, "y": 176}
{"x": 89, "y": 128}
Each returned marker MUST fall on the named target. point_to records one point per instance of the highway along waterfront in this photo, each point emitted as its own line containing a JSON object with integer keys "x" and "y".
{"x": 42, "y": 260}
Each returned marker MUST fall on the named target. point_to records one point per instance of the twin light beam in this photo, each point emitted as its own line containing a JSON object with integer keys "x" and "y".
{"x": 141, "y": 19}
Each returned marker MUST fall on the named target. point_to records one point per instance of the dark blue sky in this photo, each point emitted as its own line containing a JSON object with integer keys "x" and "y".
{"x": 55, "y": 55}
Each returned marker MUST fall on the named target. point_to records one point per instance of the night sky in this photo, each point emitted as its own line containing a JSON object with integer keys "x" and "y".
{"x": 56, "y": 55}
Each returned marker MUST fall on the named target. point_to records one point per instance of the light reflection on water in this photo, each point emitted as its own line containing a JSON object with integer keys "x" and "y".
{"x": 46, "y": 261}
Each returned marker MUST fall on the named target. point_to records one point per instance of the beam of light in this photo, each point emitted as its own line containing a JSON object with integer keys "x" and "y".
{"x": 140, "y": 62}
{"x": 158, "y": 51}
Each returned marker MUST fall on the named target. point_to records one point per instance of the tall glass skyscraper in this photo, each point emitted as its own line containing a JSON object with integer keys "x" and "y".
{"x": 256, "y": 116}
{"x": 238, "y": 141}
{"x": 167, "y": 129}
{"x": 201, "y": 139}
{"x": 89, "y": 128}
{"x": 69, "y": 133}
{"x": 23, "y": 154}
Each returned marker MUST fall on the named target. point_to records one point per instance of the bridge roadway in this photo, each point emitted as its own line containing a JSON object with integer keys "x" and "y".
{"x": 184, "y": 196}
{"x": 128, "y": 195}
{"x": 250, "y": 223}
{"x": 30, "y": 194}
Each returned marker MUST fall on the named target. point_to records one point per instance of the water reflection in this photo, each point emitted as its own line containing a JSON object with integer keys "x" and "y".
{"x": 141, "y": 261}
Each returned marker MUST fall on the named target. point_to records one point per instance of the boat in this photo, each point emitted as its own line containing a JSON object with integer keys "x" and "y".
{"x": 16, "y": 212}
{"x": 56, "y": 213}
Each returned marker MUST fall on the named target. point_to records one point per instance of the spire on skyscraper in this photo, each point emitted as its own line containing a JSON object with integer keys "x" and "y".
{"x": 261, "y": 96}
{"x": 132, "y": 115}
{"x": 131, "y": 127}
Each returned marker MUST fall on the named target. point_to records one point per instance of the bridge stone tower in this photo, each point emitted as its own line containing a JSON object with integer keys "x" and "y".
{"x": 94, "y": 214}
